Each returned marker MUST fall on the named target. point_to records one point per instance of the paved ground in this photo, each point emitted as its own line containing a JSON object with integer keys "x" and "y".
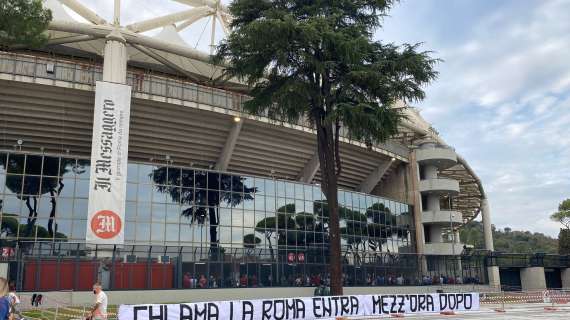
{"x": 515, "y": 312}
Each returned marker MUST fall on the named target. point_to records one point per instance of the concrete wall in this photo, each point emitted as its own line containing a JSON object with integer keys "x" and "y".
{"x": 394, "y": 185}
{"x": 196, "y": 295}
{"x": 533, "y": 278}
{"x": 565, "y": 276}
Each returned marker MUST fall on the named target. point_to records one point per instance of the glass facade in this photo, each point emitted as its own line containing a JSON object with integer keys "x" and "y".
{"x": 44, "y": 198}
{"x": 188, "y": 226}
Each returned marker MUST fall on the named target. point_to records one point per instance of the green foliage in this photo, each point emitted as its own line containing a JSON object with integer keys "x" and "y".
{"x": 23, "y": 22}
{"x": 316, "y": 59}
{"x": 564, "y": 241}
{"x": 563, "y": 214}
{"x": 508, "y": 240}
{"x": 250, "y": 241}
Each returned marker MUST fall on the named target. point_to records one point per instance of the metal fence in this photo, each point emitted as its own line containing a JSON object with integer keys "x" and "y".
{"x": 47, "y": 266}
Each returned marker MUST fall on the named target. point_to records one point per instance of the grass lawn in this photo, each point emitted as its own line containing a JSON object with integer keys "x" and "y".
{"x": 64, "y": 313}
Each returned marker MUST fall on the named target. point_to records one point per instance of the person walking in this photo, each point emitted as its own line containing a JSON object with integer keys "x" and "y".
{"x": 14, "y": 302}
{"x": 99, "y": 310}
{"x": 4, "y": 299}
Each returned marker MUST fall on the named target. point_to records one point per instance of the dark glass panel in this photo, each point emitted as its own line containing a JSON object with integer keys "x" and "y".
{"x": 237, "y": 184}
{"x": 33, "y": 165}
{"x": 226, "y": 182}
{"x": 174, "y": 176}
{"x": 14, "y": 184}
{"x": 3, "y": 162}
{"x": 31, "y": 185}
{"x": 187, "y": 178}
{"x": 50, "y": 166}
{"x": 16, "y": 163}
{"x": 201, "y": 179}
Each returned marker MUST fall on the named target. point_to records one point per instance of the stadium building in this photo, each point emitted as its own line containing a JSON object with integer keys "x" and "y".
{"x": 215, "y": 198}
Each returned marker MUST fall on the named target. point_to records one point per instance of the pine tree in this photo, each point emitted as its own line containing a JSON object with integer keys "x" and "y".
{"x": 316, "y": 60}
{"x": 23, "y": 22}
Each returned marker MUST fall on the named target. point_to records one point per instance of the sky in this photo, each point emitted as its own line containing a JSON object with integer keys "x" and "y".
{"x": 502, "y": 99}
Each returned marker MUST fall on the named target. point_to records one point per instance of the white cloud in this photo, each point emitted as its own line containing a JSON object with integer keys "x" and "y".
{"x": 502, "y": 99}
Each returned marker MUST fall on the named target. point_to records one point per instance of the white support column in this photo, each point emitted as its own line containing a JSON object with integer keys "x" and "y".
{"x": 487, "y": 230}
{"x": 493, "y": 272}
{"x": 115, "y": 58}
{"x": 374, "y": 177}
{"x": 213, "y": 35}
{"x": 169, "y": 19}
{"x": 117, "y": 13}
{"x": 310, "y": 170}
{"x": 433, "y": 203}
{"x": 83, "y": 11}
{"x": 226, "y": 154}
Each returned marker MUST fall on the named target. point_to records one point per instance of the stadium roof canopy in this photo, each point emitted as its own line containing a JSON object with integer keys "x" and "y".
{"x": 167, "y": 49}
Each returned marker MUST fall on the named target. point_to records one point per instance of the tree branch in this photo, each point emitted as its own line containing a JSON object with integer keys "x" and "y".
{"x": 337, "y": 148}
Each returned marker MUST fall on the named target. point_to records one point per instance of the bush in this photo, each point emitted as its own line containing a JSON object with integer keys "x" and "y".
{"x": 564, "y": 241}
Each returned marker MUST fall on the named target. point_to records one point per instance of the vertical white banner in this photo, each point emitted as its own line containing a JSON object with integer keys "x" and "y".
{"x": 109, "y": 154}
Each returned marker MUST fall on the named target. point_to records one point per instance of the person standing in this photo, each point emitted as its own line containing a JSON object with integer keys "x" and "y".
{"x": 99, "y": 310}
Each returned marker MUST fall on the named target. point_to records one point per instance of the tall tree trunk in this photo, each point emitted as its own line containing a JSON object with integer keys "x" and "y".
{"x": 52, "y": 213}
{"x": 268, "y": 237}
{"x": 214, "y": 242}
{"x": 329, "y": 186}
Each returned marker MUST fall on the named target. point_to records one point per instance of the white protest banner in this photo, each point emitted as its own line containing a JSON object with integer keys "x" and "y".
{"x": 305, "y": 307}
{"x": 109, "y": 153}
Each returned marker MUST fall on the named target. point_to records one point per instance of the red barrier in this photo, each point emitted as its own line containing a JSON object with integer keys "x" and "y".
{"x": 62, "y": 275}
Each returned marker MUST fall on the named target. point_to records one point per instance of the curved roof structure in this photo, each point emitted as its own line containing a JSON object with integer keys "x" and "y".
{"x": 185, "y": 66}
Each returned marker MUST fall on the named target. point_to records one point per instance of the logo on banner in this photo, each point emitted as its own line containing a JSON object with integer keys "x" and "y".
{"x": 106, "y": 224}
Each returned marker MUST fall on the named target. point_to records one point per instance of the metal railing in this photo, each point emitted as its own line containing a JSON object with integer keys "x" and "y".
{"x": 525, "y": 260}
{"x": 87, "y": 74}
{"x": 75, "y": 266}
